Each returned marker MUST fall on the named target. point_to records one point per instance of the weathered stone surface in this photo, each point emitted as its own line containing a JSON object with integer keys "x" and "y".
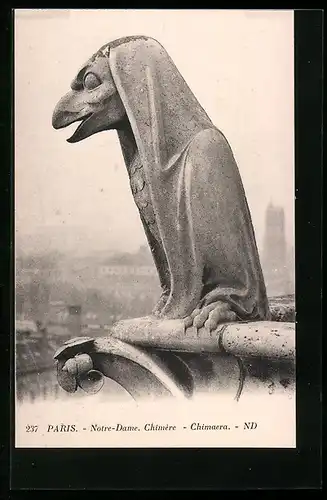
{"x": 73, "y": 346}
{"x": 259, "y": 339}
{"x": 264, "y": 339}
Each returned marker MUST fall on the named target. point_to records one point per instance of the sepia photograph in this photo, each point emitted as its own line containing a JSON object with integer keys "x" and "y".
{"x": 154, "y": 228}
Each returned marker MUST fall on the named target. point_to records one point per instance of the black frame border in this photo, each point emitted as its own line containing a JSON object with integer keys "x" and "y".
{"x": 194, "y": 469}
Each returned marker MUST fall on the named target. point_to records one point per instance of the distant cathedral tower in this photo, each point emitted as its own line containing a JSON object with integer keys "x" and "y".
{"x": 275, "y": 255}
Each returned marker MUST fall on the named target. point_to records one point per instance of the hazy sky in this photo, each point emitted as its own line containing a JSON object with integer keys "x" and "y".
{"x": 239, "y": 64}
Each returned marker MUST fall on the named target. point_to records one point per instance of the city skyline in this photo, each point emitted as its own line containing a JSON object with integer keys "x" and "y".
{"x": 276, "y": 255}
{"x": 79, "y": 240}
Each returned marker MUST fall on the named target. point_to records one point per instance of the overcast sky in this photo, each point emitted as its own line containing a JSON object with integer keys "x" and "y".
{"x": 239, "y": 64}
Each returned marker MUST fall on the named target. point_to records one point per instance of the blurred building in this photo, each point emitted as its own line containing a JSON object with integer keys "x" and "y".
{"x": 132, "y": 280}
{"x": 32, "y": 294}
{"x": 277, "y": 259}
{"x": 139, "y": 264}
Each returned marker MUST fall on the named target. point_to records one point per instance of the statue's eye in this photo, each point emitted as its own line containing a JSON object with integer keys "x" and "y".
{"x": 91, "y": 81}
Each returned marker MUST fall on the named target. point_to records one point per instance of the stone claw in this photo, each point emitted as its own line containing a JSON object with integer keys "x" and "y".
{"x": 210, "y": 316}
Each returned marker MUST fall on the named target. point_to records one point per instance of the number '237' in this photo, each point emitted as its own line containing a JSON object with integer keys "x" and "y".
{"x": 32, "y": 428}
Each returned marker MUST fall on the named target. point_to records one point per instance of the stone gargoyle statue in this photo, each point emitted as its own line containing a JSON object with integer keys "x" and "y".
{"x": 184, "y": 180}
{"x": 183, "y": 177}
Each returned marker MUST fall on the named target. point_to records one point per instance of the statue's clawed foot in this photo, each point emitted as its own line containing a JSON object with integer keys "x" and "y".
{"x": 210, "y": 316}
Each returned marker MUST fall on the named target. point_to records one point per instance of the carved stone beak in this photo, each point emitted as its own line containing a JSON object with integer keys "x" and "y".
{"x": 66, "y": 112}
{"x": 70, "y": 110}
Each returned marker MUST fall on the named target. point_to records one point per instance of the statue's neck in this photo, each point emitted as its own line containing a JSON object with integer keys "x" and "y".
{"x": 128, "y": 145}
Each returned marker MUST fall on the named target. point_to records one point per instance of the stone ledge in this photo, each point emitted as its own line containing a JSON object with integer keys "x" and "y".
{"x": 159, "y": 358}
{"x": 267, "y": 339}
